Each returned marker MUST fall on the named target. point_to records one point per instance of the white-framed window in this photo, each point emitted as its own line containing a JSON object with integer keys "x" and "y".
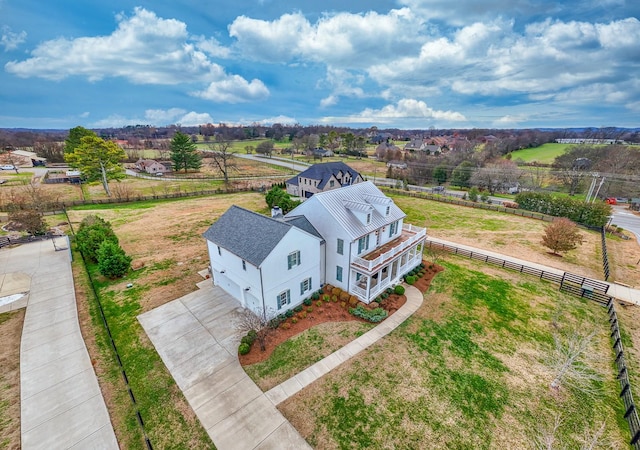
{"x": 305, "y": 286}
{"x": 293, "y": 259}
{"x": 338, "y": 273}
{"x": 244, "y": 265}
{"x": 363, "y": 243}
{"x": 387, "y": 210}
{"x": 368, "y": 218}
{"x": 393, "y": 228}
{"x": 340, "y": 247}
{"x": 284, "y": 298}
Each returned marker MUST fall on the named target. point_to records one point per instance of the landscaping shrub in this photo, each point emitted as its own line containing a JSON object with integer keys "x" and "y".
{"x": 244, "y": 348}
{"x": 315, "y": 295}
{"x": 410, "y": 279}
{"x": 307, "y": 302}
{"x": 113, "y": 262}
{"x": 343, "y": 305}
{"x": 344, "y": 296}
{"x": 389, "y": 290}
{"x": 334, "y": 299}
{"x": 375, "y": 315}
{"x": 298, "y": 308}
{"x": 286, "y": 325}
{"x": 92, "y": 232}
{"x": 294, "y": 320}
{"x": 288, "y": 313}
{"x": 592, "y": 214}
{"x": 303, "y": 314}
{"x": 310, "y": 309}
{"x": 247, "y": 340}
{"x": 253, "y": 334}
{"x": 353, "y": 300}
{"x": 319, "y": 303}
{"x": 399, "y": 290}
{"x": 336, "y": 291}
{"x": 326, "y": 298}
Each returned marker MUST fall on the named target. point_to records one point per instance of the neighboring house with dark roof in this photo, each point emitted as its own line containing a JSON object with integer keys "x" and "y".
{"x": 322, "y": 177}
{"x": 414, "y": 145}
{"x": 265, "y": 263}
{"x": 353, "y": 238}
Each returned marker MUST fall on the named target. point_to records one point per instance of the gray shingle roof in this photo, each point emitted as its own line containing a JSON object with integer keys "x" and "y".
{"x": 249, "y": 235}
{"x": 304, "y": 224}
{"x": 322, "y": 172}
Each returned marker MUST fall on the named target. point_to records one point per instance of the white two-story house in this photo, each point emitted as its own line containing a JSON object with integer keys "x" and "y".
{"x": 268, "y": 265}
{"x": 368, "y": 248}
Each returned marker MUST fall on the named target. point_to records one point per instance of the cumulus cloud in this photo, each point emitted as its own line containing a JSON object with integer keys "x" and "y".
{"x": 234, "y": 89}
{"x": 409, "y": 109}
{"x": 340, "y": 38}
{"x": 156, "y": 117}
{"x": 144, "y": 49}
{"x": 10, "y": 40}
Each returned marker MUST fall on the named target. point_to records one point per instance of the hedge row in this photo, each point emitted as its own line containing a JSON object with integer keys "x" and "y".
{"x": 594, "y": 214}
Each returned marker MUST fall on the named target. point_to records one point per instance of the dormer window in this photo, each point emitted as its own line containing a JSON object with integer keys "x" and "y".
{"x": 368, "y": 218}
{"x": 387, "y": 210}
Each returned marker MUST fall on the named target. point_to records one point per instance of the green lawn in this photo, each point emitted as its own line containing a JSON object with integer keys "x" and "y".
{"x": 469, "y": 370}
{"x": 545, "y": 154}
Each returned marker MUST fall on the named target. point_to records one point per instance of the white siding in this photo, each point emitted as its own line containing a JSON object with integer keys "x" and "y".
{"x": 279, "y": 278}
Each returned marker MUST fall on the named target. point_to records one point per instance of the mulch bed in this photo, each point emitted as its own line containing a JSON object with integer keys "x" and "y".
{"x": 328, "y": 312}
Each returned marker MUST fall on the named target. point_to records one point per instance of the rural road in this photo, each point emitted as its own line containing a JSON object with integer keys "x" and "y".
{"x": 627, "y": 220}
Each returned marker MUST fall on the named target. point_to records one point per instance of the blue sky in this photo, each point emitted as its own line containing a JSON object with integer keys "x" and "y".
{"x": 403, "y": 63}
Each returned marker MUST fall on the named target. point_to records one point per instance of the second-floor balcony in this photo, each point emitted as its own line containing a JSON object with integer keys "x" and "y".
{"x": 410, "y": 236}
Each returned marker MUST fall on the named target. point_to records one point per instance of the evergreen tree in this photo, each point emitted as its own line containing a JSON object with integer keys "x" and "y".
{"x": 184, "y": 153}
{"x": 113, "y": 262}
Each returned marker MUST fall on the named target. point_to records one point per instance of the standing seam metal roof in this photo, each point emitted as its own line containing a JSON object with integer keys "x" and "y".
{"x": 334, "y": 203}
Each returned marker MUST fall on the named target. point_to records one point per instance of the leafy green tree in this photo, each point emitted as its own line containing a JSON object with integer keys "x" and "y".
{"x": 278, "y": 197}
{"x": 75, "y": 136}
{"x": 97, "y": 159}
{"x": 113, "y": 262}
{"x": 473, "y": 194}
{"x": 184, "y": 153}
{"x": 462, "y": 174}
{"x": 93, "y": 231}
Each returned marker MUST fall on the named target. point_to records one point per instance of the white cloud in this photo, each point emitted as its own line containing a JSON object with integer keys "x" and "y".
{"x": 144, "y": 49}
{"x": 405, "y": 109}
{"x": 156, "y": 117}
{"x": 284, "y": 120}
{"x": 510, "y": 120}
{"x": 234, "y": 89}
{"x": 339, "y": 39}
{"x": 10, "y": 40}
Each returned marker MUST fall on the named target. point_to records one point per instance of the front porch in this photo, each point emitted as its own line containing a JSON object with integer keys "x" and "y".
{"x": 368, "y": 285}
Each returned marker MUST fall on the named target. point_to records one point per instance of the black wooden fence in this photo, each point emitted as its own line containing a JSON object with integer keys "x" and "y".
{"x": 605, "y": 257}
{"x": 582, "y": 287}
{"x": 630, "y": 411}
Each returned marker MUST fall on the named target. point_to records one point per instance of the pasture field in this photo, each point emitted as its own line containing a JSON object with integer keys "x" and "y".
{"x": 545, "y": 154}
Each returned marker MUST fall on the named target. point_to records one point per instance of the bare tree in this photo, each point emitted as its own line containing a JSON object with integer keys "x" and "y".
{"x": 591, "y": 439}
{"x": 435, "y": 253}
{"x": 571, "y": 362}
{"x": 561, "y": 235}
{"x": 248, "y": 320}
{"x": 545, "y": 437}
{"x": 223, "y": 157}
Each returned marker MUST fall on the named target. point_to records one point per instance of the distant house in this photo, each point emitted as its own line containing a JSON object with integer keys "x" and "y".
{"x": 151, "y": 166}
{"x": 414, "y": 145}
{"x": 322, "y": 177}
{"x": 353, "y": 238}
{"x": 322, "y": 152}
{"x": 397, "y": 164}
{"x": 386, "y": 148}
{"x": 432, "y": 149}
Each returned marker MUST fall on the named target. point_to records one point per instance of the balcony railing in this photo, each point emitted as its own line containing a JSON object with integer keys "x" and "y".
{"x": 369, "y": 264}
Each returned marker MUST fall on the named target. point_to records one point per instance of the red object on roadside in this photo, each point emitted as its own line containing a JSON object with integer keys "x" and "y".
{"x": 611, "y": 201}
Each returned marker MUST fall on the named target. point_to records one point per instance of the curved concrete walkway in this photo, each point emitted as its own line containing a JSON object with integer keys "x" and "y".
{"x": 298, "y": 382}
{"x": 623, "y": 293}
{"x": 61, "y": 401}
{"x": 196, "y": 339}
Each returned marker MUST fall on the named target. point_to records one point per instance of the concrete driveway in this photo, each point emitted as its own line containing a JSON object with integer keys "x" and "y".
{"x": 61, "y": 401}
{"x": 195, "y": 337}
